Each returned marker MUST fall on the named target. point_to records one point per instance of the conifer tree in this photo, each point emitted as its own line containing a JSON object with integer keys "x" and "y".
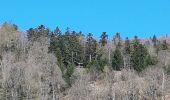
{"x": 103, "y": 39}
{"x": 35, "y": 34}
{"x": 156, "y": 44}
{"x": 117, "y": 59}
{"x": 154, "y": 40}
{"x": 127, "y": 52}
{"x": 164, "y": 45}
{"x": 68, "y": 74}
{"x": 117, "y": 39}
{"x": 55, "y": 46}
{"x": 139, "y": 55}
{"x": 127, "y": 48}
{"x": 91, "y": 46}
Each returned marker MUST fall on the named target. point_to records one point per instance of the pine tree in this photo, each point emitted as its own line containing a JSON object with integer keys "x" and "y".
{"x": 67, "y": 47}
{"x": 55, "y": 46}
{"x": 67, "y": 31}
{"x": 127, "y": 52}
{"x": 57, "y": 32}
{"x": 103, "y": 39}
{"x": 154, "y": 40}
{"x": 117, "y": 59}
{"x": 127, "y": 48}
{"x": 37, "y": 33}
{"x": 164, "y": 45}
{"x": 68, "y": 74}
{"x": 91, "y": 46}
{"x": 117, "y": 39}
{"x": 139, "y": 55}
{"x": 76, "y": 47}
{"x": 156, "y": 44}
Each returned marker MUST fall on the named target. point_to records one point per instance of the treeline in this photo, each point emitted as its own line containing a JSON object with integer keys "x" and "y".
{"x": 40, "y": 56}
{"x": 74, "y": 48}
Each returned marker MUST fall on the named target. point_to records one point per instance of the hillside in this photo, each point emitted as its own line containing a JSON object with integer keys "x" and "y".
{"x": 54, "y": 65}
{"x": 123, "y": 84}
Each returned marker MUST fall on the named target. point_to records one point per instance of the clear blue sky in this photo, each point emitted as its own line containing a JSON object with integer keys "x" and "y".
{"x": 129, "y": 17}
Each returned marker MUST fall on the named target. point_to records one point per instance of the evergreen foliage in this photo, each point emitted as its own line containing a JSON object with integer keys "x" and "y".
{"x": 68, "y": 74}
{"x": 117, "y": 39}
{"x": 154, "y": 40}
{"x": 117, "y": 59}
{"x": 66, "y": 47}
{"x": 164, "y": 45}
{"x": 35, "y": 69}
{"x": 127, "y": 48}
{"x": 91, "y": 47}
{"x": 97, "y": 64}
{"x": 35, "y": 34}
{"x": 103, "y": 39}
{"x": 139, "y": 56}
{"x": 156, "y": 44}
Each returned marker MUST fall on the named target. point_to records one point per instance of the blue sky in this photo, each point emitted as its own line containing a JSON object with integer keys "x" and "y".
{"x": 129, "y": 17}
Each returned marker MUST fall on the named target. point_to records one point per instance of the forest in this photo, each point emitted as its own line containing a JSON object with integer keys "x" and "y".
{"x": 44, "y": 64}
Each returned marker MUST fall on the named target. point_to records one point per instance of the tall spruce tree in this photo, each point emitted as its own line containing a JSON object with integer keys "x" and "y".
{"x": 55, "y": 46}
{"x": 139, "y": 55}
{"x": 71, "y": 49}
{"x": 117, "y": 59}
{"x": 127, "y": 52}
{"x": 127, "y": 48}
{"x": 117, "y": 39}
{"x": 69, "y": 73}
{"x": 156, "y": 44}
{"x": 154, "y": 40}
{"x": 91, "y": 46}
{"x": 103, "y": 39}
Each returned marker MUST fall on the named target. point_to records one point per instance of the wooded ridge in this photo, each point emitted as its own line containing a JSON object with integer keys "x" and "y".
{"x": 53, "y": 65}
